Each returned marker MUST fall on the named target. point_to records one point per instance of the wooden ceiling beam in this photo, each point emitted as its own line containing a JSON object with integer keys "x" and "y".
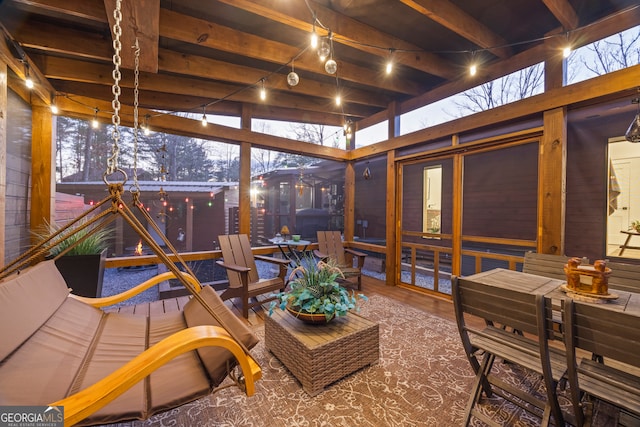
{"x": 564, "y": 13}
{"x": 455, "y": 19}
{"x": 196, "y": 31}
{"x": 183, "y": 28}
{"x": 86, "y": 72}
{"x": 349, "y": 32}
{"x": 140, "y": 24}
{"x": 47, "y": 38}
{"x": 192, "y": 128}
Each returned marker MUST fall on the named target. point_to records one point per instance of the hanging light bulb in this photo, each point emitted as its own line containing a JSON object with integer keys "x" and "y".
{"x": 28, "y": 81}
{"x": 347, "y": 129}
{"x": 95, "y": 123}
{"x": 633, "y": 133}
{"x": 324, "y": 50}
{"x": 292, "y": 78}
{"x": 146, "y": 129}
{"x": 263, "y": 91}
{"x": 389, "y": 67}
{"x": 314, "y": 37}
{"x": 54, "y": 109}
{"x": 473, "y": 69}
{"x": 204, "y": 117}
{"x": 331, "y": 66}
{"x": 338, "y": 99}
{"x": 566, "y": 50}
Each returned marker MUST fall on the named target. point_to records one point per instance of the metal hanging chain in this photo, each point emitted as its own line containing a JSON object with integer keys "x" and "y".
{"x": 135, "y": 116}
{"x": 112, "y": 161}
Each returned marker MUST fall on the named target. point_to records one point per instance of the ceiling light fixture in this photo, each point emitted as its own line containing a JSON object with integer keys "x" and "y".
{"x": 95, "y": 123}
{"x": 324, "y": 50}
{"x": 263, "y": 91}
{"x": 331, "y": 66}
{"x": 204, "y": 117}
{"x": 566, "y": 50}
{"x": 28, "y": 81}
{"x": 314, "y": 37}
{"x": 292, "y": 78}
{"x": 633, "y": 133}
{"x": 389, "y": 67}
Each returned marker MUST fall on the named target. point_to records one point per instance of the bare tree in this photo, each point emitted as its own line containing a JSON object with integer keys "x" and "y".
{"x": 613, "y": 53}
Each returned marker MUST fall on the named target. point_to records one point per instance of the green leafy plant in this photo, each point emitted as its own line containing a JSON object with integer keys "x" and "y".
{"x": 635, "y": 225}
{"x": 95, "y": 242}
{"x": 313, "y": 288}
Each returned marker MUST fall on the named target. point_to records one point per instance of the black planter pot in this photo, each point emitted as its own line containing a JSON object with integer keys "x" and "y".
{"x": 83, "y": 273}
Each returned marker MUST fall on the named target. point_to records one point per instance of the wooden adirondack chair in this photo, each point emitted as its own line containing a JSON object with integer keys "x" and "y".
{"x": 244, "y": 281}
{"x": 330, "y": 247}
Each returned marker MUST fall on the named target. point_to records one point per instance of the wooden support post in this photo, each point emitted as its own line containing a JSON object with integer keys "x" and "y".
{"x": 456, "y": 226}
{"x": 392, "y": 233}
{"x": 244, "y": 196}
{"x": 349, "y": 200}
{"x": 552, "y": 183}
{"x": 3, "y": 155}
{"x": 43, "y": 181}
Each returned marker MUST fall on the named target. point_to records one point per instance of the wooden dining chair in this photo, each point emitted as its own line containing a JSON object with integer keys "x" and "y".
{"x": 612, "y": 376}
{"x": 331, "y": 248}
{"x": 244, "y": 280}
{"x": 518, "y": 328}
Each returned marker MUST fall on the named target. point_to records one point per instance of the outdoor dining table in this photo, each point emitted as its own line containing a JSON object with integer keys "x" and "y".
{"x": 292, "y": 253}
{"x": 628, "y": 302}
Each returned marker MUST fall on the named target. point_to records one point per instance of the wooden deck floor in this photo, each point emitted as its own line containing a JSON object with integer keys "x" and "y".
{"x": 370, "y": 286}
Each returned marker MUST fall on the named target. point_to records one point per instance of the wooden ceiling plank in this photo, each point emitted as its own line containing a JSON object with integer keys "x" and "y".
{"x": 564, "y": 13}
{"x": 349, "y": 32}
{"x": 455, "y": 19}
{"x": 140, "y": 22}
{"x": 78, "y": 71}
{"x": 91, "y": 46}
{"x": 91, "y": 10}
{"x": 196, "y": 31}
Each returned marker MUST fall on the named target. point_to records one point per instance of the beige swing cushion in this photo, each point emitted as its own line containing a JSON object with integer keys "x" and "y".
{"x": 53, "y": 345}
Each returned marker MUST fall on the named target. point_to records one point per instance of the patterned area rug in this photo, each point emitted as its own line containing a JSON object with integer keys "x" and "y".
{"x": 421, "y": 379}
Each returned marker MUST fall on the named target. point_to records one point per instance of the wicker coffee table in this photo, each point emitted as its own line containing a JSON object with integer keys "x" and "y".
{"x": 319, "y": 355}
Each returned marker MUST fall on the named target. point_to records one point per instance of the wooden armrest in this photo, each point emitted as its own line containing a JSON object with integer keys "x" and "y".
{"x": 354, "y": 252}
{"x": 320, "y": 254}
{"x": 233, "y": 267}
{"x": 123, "y": 296}
{"x": 82, "y": 404}
{"x": 272, "y": 259}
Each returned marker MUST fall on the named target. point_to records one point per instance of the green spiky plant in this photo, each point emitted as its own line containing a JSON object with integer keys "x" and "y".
{"x": 313, "y": 288}
{"x": 94, "y": 243}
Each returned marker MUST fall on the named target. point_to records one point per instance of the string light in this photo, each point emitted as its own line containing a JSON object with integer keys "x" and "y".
{"x": 146, "y": 129}
{"x": 389, "y": 67}
{"x": 292, "y": 78}
{"x": 473, "y": 69}
{"x": 331, "y": 66}
{"x": 53, "y": 106}
{"x": 338, "y": 100}
{"x": 314, "y": 37}
{"x": 324, "y": 50}
{"x": 28, "y": 80}
{"x": 263, "y": 91}
{"x": 95, "y": 123}
{"x": 204, "y": 117}
{"x": 566, "y": 51}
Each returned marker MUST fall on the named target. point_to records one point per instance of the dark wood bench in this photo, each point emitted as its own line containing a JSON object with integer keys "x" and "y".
{"x": 546, "y": 265}
{"x": 518, "y": 328}
{"x": 615, "y": 336}
{"x": 624, "y": 277}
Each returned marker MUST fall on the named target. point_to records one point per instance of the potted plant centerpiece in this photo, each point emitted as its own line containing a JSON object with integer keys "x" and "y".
{"x": 314, "y": 294}
{"x": 83, "y": 265}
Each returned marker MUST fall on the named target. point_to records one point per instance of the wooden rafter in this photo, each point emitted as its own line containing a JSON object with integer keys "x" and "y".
{"x": 349, "y": 32}
{"x": 140, "y": 21}
{"x": 564, "y": 12}
{"x": 452, "y": 17}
